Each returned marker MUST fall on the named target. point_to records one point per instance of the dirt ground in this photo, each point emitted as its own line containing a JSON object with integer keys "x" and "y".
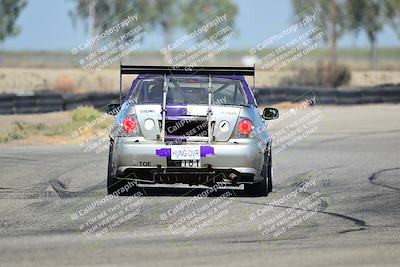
{"x": 78, "y": 80}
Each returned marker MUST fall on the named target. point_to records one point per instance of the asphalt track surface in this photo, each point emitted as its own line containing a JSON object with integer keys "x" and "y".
{"x": 350, "y": 165}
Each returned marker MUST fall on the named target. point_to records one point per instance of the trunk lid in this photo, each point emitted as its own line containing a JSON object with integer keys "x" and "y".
{"x": 187, "y": 120}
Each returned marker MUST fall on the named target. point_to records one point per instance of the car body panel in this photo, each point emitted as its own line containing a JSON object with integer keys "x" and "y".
{"x": 236, "y": 153}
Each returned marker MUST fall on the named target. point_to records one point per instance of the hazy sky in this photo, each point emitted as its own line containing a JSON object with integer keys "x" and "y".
{"x": 46, "y": 26}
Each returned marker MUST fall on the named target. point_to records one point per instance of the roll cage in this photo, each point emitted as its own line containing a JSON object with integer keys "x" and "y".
{"x": 168, "y": 70}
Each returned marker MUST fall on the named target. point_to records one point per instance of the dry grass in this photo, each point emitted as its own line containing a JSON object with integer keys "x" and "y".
{"x": 65, "y": 84}
{"x": 63, "y": 80}
{"x": 79, "y": 81}
{"x": 49, "y": 130}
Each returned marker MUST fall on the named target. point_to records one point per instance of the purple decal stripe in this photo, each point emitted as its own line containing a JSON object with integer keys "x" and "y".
{"x": 206, "y": 151}
{"x": 176, "y": 110}
{"x": 163, "y": 152}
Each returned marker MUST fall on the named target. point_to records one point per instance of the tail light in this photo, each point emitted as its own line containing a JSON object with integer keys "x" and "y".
{"x": 129, "y": 124}
{"x": 245, "y": 126}
{"x": 129, "y": 127}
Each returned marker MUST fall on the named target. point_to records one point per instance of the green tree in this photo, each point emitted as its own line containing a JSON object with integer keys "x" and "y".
{"x": 199, "y": 12}
{"x": 331, "y": 16}
{"x": 392, "y": 13}
{"x": 9, "y": 12}
{"x": 368, "y": 16}
{"x": 166, "y": 15}
{"x": 170, "y": 15}
{"x": 99, "y": 15}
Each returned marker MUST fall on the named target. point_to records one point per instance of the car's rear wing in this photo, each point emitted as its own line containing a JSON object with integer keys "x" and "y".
{"x": 136, "y": 69}
{"x": 131, "y": 69}
{"x": 171, "y": 70}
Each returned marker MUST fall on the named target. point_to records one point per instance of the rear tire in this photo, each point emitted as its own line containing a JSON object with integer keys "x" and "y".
{"x": 268, "y": 169}
{"x": 113, "y": 184}
{"x": 265, "y": 186}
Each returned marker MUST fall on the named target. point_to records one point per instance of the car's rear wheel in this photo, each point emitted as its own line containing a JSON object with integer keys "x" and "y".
{"x": 113, "y": 184}
{"x": 265, "y": 186}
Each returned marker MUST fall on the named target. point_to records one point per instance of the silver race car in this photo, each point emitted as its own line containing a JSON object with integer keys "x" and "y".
{"x": 196, "y": 126}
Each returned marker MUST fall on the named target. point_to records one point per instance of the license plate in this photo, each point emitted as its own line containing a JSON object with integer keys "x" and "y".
{"x": 185, "y": 152}
{"x": 191, "y": 163}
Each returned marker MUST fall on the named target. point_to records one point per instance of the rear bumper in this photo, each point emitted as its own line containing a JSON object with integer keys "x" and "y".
{"x": 192, "y": 176}
{"x": 238, "y": 161}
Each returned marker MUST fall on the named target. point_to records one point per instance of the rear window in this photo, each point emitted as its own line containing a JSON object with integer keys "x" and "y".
{"x": 189, "y": 91}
